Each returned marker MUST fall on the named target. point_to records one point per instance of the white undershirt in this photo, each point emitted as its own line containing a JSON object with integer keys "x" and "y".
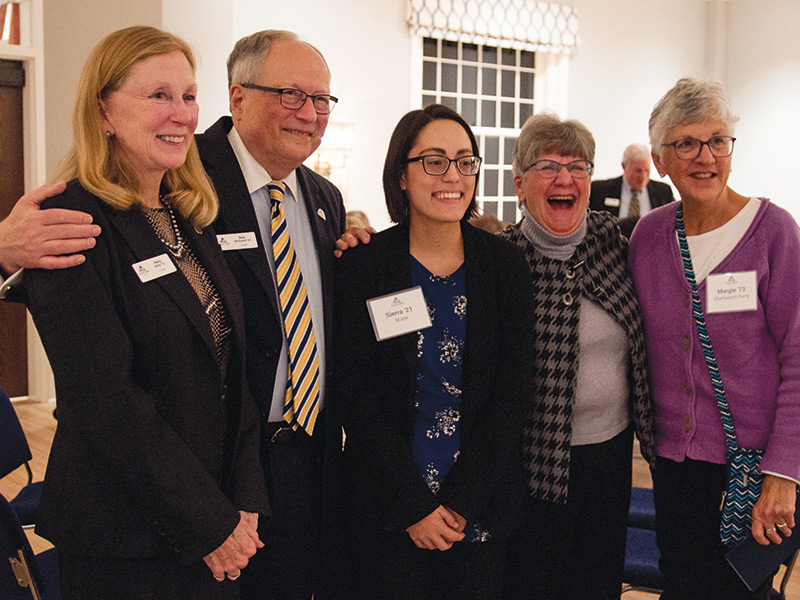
{"x": 710, "y": 248}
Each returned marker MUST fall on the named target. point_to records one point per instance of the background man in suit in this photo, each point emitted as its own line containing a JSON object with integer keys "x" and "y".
{"x": 632, "y": 194}
{"x": 279, "y": 89}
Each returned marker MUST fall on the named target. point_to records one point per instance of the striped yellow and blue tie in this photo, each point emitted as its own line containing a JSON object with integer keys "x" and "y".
{"x": 301, "y": 405}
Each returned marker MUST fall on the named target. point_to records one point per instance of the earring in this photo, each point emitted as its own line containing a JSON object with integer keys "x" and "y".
{"x": 109, "y": 135}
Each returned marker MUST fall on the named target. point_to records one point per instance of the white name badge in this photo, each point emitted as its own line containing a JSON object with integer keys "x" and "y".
{"x": 614, "y": 202}
{"x": 731, "y": 292}
{"x": 155, "y": 267}
{"x": 398, "y": 313}
{"x": 237, "y": 241}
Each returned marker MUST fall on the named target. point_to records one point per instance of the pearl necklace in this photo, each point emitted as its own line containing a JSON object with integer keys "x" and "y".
{"x": 177, "y": 247}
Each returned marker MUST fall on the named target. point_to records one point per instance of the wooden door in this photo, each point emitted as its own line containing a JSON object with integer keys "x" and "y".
{"x": 13, "y": 325}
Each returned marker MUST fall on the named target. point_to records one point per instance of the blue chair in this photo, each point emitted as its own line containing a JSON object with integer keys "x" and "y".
{"x": 641, "y": 572}
{"x": 23, "y": 574}
{"x": 14, "y": 453}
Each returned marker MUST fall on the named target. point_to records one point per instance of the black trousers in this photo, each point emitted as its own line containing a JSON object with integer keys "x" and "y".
{"x": 576, "y": 551}
{"x": 91, "y": 578}
{"x": 289, "y": 565}
{"x": 687, "y": 497}
{"x": 388, "y": 566}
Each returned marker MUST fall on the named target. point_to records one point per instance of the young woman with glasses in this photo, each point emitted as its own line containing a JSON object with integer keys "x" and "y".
{"x": 433, "y": 337}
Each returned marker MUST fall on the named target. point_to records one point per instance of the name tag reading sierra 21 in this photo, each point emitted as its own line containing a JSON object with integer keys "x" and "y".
{"x": 398, "y": 313}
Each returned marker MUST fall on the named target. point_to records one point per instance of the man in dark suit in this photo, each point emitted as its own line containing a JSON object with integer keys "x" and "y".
{"x": 280, "y": 103}
{"x": 279, "y": 90}
{"x": 632, "y": 194}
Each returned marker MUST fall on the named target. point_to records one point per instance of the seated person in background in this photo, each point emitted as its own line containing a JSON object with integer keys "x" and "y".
{"x": 632, "y": 194}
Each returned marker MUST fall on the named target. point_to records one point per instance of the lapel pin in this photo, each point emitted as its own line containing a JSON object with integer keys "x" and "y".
{"x": 321, "y": 214}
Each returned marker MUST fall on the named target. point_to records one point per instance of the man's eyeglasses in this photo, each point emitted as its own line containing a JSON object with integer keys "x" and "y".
{"x": 549, "y": 169}
{"x": 690, "y": 148}
{"x": 435, "y": 164}
{"x": 296, "y": 99}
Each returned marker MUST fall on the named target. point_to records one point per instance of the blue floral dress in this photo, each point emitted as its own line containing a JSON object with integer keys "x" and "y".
{"x": 437, "y": 441}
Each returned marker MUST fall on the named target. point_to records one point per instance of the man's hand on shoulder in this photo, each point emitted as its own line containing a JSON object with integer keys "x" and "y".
{"x": 352, "y": 238}
{"x": 31, "y": 238}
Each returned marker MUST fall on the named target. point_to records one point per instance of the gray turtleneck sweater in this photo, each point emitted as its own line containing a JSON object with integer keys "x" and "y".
{"x": 600, "y": 411}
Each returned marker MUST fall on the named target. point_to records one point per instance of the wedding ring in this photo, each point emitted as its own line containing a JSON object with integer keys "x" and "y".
{"x": 220, "y": 578}
{"x": 232, "y": 578}
{"x": 781, "y": 525}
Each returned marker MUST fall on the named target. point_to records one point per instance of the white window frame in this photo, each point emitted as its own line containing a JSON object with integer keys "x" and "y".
{"x": 550, "y": 84}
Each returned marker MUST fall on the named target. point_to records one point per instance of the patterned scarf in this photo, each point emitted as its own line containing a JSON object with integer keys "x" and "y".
{"x": 596, "y": 270}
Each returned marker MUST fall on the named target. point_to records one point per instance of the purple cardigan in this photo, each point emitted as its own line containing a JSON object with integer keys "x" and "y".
{"x": 758, "y": 351}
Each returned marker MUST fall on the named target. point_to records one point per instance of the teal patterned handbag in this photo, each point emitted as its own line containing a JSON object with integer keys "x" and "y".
{"x": 744, "y": 474}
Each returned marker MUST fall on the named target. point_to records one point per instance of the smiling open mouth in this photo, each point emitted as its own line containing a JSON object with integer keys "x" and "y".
{"x": 561, "y": 201}
{"x": 175, "y": 139}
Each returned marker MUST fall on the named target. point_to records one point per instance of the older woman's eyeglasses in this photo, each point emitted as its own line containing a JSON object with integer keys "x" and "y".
{"x": 549, "y": 169}
{"x": 296, "y": 99}
{"x": 435, "y": 164}
{"x": 690, "y": 148}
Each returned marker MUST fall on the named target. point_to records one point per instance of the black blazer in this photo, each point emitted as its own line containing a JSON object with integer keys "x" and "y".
{"x": 251, "y": 269}
{"x": 660, "y": 193}
{"x": 153, "y": 453}
{"x": 375, "y": 382}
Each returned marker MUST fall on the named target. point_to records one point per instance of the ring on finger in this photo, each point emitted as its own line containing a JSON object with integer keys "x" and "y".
{"x": 234, "y": 577}
{"x": 219, "y": 577}
{"x": 771, "y": 530}
{"x": 779, "y": 525}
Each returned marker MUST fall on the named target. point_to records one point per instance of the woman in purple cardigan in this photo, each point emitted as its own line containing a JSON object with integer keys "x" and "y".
{"x": 754, "y": 325}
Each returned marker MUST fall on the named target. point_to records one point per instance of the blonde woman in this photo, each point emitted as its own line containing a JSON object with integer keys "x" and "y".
{"x": 153, "y": 485}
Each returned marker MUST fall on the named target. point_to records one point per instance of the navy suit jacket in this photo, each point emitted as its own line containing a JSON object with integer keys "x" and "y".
{"x": 262, "y": 313}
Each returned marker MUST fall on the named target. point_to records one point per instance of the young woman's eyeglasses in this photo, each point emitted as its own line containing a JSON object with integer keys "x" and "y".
{"x": 435, "y": 164}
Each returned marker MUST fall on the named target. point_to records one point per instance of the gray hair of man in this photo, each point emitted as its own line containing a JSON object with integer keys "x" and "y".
{"x": 635, "y": 152}
{"x": 689, "y": 101}
{"x": 247, "y": 58}
{"x": 545, "y": 133}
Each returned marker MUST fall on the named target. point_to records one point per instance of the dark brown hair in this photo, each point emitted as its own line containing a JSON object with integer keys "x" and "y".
{"x": 403, "y": 139}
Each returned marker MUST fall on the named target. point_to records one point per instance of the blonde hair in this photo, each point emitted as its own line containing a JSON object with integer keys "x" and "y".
{"x": 94, "y": 160}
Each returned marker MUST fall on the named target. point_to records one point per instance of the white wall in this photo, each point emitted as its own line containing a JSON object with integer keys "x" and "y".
{"x": 763, "y": 80}
{"x": 631, "y": 52}
{"x": 630, "y": 55}
{"x": 71, "y": 29}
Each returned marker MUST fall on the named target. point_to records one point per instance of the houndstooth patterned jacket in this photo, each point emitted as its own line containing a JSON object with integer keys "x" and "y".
{"x": 597, "y": 271}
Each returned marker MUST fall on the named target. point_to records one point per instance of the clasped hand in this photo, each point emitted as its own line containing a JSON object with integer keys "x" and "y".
{"x": 235, "y": 552}
{"x": 439, "y": 530}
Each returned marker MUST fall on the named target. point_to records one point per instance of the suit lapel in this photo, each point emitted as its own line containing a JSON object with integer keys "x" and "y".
{"x": 236, "y": 212}
{"x": 392, "y": 262}
{"x": 478, "y": 341}
{"x": 144, "y": 244}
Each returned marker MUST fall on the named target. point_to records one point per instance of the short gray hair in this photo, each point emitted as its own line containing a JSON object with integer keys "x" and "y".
{"x": 635, "y": 152}
{"x": 545, "y": 133}
{"x": 247, "y": 58}
{"x": 689, "y": 101}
